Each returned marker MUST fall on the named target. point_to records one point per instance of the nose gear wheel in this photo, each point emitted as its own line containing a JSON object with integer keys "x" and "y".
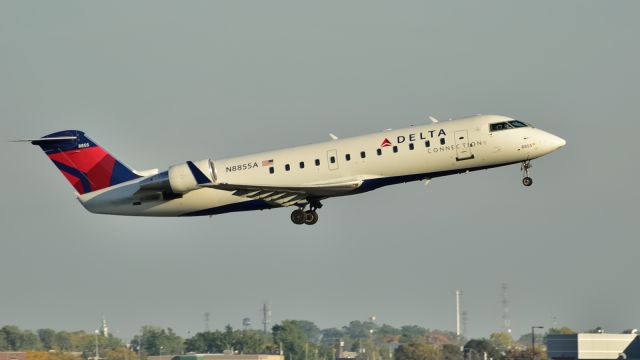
{"x": 526, "y": 180}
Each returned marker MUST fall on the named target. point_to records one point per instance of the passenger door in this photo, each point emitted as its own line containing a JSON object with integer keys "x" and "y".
{"x": 463, "y": 151}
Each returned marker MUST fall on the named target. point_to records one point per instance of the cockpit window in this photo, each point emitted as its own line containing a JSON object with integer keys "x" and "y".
{"x": 499, "y": 126}
{"x": 517, "y": 123}
{"x": 507, "y": 125}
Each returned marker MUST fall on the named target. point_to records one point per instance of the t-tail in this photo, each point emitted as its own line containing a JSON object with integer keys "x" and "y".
{"x": 85, "y": 164}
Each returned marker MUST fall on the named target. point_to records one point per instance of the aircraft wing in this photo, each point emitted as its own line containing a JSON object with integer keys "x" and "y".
{"x": 287, "y": 195}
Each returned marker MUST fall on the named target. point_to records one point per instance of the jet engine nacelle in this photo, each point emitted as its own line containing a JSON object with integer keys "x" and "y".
{"x": 182, "y": 178}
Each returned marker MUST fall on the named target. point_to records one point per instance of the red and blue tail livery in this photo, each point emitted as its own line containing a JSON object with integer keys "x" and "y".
{"x": 85, "y": 164}
{"x": 302, "y": 176}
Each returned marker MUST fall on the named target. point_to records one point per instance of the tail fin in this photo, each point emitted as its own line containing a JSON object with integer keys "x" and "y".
{"x": 85, "y": 164}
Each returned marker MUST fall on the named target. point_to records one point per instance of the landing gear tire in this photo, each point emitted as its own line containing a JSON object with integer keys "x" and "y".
{"x": 298, "y": 217}
{"x": 526, "y": 180}
{"x": 311, "y": 217}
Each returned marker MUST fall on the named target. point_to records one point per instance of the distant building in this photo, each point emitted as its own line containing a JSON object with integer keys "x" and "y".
{"x": 13, "y": 355}
{"x": 593, "y": 347}
{"x": 348, "y": 355}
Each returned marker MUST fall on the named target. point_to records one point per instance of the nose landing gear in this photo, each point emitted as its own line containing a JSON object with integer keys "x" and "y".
{"x": 309, "y": 217}
{"x": 526, "y": 180}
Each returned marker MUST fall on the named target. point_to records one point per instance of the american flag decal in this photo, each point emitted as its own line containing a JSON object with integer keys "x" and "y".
{"x": 267, "y": 162}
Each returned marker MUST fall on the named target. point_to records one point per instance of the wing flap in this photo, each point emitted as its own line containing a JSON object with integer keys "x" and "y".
{"x": 286, "y": 195}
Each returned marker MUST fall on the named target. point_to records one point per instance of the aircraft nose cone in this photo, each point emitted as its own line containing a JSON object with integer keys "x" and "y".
{"x": 555, "y": 142}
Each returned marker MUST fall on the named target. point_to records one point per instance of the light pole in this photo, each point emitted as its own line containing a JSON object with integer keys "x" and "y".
{"x": 533, "y": 341}
{"x": 373, "y": 352}
{"x": 97, "y": 354}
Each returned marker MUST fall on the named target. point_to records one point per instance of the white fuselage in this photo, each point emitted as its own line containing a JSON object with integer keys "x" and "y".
{"x": 379, "y": 159}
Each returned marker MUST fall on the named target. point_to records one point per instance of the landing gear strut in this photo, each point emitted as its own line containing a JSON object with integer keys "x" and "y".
{"x": 526, "y": 165}
{"x": 309, "y": 217}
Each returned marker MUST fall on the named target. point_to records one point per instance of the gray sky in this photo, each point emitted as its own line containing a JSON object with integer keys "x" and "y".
{"x": 158, "y": 83}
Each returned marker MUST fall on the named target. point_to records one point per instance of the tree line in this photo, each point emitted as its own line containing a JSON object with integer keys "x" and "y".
{"x": 297, "y": 339}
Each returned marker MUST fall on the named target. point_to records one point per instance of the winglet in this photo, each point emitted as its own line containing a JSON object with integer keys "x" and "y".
{"x": 433, "y": 120}
{"x": 200, "y": 177}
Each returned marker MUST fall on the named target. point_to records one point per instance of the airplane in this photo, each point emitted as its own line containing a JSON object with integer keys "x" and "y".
{"x": 300, "y": 177}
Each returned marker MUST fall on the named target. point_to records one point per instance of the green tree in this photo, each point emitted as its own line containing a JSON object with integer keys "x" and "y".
{"x": 560, "y": 331}
{"x": 416, "y": 351}
{"x": 209, "y": 342}
{"x": 501, "y": 340}
{"x": 331, "y": 336}
{"x": 386, "y": 329}
{"x": 411, "y": 333}
{"x": 250, "y": 342}
{"x": 4, "y": 345}
{"x": 451, "y": 352}
{"x": 525, "y": 340}
{"x": 154, "y": 340}
{"x": 439, "y": 337}
{"x": 359, "y": 329}
{"x": 245, "y": 341}
{"x": 47, "y": 338}
{"x": 292, "y": 338}
{"x": 63, "y": 341}
{"x": 310, "y": 330}
{"x": 474, "y": 350}
{"x": 19, "y": 340}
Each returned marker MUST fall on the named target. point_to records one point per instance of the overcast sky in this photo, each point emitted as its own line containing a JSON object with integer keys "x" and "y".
{"x": 159, "y": 83}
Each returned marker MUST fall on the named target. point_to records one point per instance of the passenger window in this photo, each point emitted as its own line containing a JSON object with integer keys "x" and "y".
{"x": 287, "y": 167}
{"x": 410, "y": 146}
{"x": 442, "y": 141}
{"x": 301, "y": 164}
{"x": 379, "y": 152}
{"x": 332, "y": 159}
{"x": 395, "y": 149}
{"x": 427, "y": 143}
{"x": 317, "y": 162}
{"x": 347, "y": 157}
{"x": 363, "y": 154}
{"x": 271, "y": 170}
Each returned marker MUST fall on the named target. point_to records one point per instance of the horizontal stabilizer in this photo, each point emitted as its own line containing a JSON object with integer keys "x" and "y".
{"x": 49, "y": 139}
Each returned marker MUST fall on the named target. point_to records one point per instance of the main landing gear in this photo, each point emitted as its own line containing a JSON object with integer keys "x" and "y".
{"x": 526, "y": 180}
{"x": 309, "y": 217}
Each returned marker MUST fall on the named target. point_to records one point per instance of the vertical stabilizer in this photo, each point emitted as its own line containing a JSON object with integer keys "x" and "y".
{"x": 85, "y": 164}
